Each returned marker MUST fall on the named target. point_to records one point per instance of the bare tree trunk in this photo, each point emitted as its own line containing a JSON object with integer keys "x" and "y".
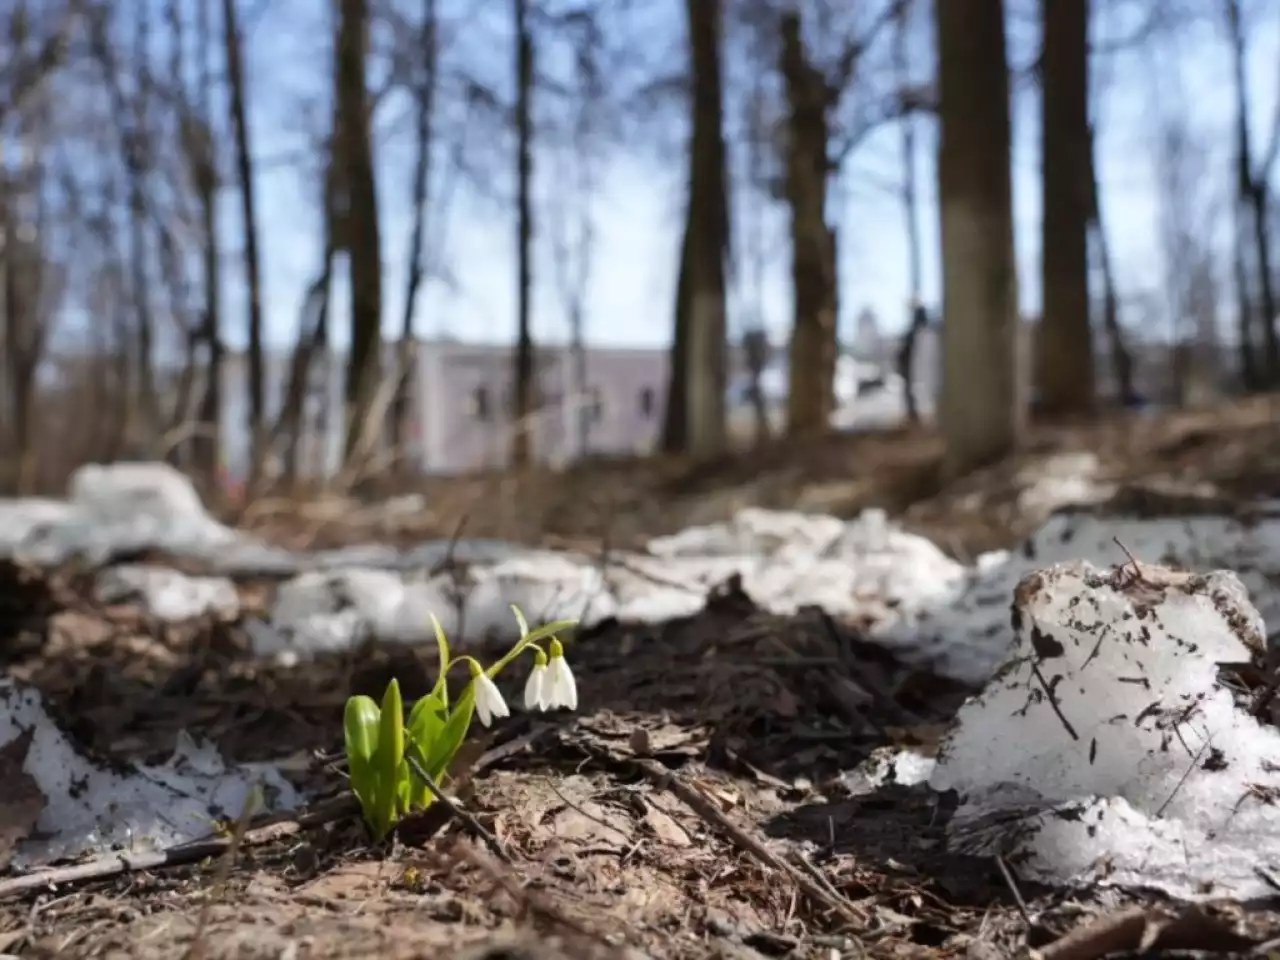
{"x": 708, "y": 239}
{"x": 313, "y": 335}
{"x": 811, "y": 383}
{"x": 755, "y": 349}
{"x": 137, "y": 164}
{"x": 919, "y": 316}
{"x": 1252, "y": 191}
{"x": 364, "y": 250}
{"x": 1121, "y": 359}
{"x": 1251, "y": 372}
{"x": 524, "y": 359}
{"x": 424, "y": 94}
{"x": 252, "y": 264}
{"x": 981, "y": 411}
{"x": 1064, "y": 340}
{"x": 208, "y": 443}
{"x": 755, "y": 342}
{"x": 675, "y": 426}
{"x": 1259, "y": 192}
{"x": 23, "y": 336}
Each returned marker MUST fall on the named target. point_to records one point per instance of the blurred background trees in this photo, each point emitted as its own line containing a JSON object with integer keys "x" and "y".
{"x": 156, "y": 302}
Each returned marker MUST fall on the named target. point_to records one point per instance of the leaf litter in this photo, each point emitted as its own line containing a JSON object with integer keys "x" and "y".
{"x": 702, "y": 802}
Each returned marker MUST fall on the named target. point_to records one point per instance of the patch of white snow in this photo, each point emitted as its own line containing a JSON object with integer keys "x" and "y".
{"x": 91, "y": 809}
{"x": 1108, "y": 750}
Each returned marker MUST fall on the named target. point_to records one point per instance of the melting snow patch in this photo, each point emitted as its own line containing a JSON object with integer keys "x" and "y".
{"x": 1109, "y": 750}
{"x": 962, "y": 630}
{"x": 168, "y": 594}
{"x": 89, "y": 809}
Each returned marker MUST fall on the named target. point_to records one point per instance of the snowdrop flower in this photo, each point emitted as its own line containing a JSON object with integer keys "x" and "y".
{"x": 559, "y": 689}
{"x": 535, "y": 697}
{"x": 489, "y": 702}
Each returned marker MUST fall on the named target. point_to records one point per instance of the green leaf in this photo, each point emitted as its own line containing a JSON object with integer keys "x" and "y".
{"x": 389, "y": 759}
{"x": 442, "y": 646}
{"x": 523, "y": 623}
{"x": 360, "y": 723}
{"x": 404, "y": 789}
{"x": 426, "y": 723}
{"x": 450, "y": 738}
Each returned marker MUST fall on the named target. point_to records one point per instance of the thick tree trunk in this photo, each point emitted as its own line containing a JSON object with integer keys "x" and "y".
{"x": 695, "y": 420}
{"x": 1064, "y": 341}
{"x": 675, "y": 421}
{"x": 981, "y": 410}
{"x": 707, "y": 369}
{"x": 364, "y": 250}
{"x": 812, "y": 360}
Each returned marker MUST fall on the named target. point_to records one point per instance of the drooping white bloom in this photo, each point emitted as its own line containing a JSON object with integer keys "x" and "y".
{"x": 489, "y": 702}
{"x": 559, "y": 689}
{"x": 535, "y": 697}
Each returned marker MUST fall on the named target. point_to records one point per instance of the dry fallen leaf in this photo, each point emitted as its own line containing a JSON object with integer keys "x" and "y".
{"x": 21, "y": 800}
{"x": 665, "y": 828}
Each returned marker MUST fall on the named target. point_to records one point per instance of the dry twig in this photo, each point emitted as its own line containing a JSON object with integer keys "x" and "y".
{"x": 1143, "y": 929}
{"x": 665, "y": 779}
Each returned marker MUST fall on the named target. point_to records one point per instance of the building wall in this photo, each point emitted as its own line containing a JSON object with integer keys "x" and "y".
{"x": 466, "y": 394}
{"x": 460, "y": 414}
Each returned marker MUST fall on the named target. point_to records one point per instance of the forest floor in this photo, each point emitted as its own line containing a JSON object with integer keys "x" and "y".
{"x": 1227, "y": 452}
{"x": 692, "y": 807}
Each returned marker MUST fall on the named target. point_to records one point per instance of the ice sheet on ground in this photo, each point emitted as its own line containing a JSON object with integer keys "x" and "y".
{"x": 1108, "y": 750}
{"x": 92, "y": 809}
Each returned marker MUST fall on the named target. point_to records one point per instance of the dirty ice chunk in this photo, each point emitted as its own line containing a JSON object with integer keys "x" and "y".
{"x": 93, "y": 810}
{"x": 1108, "y": 750}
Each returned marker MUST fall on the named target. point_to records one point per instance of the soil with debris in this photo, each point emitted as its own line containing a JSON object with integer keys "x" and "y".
{"x": 692, "y": 807}
{"x": 696, "y": 805}
{"x": 1226, "y": 452}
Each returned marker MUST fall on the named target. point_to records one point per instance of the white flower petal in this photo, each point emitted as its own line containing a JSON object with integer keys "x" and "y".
{"x": 489, "y": 702}
{"x": 535, "y": 696}
{"x": 562, "y": 689}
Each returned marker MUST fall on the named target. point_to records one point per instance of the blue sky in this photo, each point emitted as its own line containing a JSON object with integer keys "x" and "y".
{"x": 638, "y": 208}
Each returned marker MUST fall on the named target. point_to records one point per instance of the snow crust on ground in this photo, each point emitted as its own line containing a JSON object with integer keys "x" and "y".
{"x": 1098, "y": 807}
{"x": 90, "y": 808}
{"x": 1109, "y": 750}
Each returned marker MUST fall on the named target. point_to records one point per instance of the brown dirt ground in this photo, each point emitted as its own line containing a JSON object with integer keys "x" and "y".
{"x": 691, "y": 807}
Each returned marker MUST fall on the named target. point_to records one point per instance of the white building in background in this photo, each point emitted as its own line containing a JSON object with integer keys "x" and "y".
{"x": 460, "y": 417}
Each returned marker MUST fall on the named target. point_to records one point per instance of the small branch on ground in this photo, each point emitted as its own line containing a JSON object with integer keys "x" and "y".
{"x": 268, "y": 830}
{"x": 261, "y": 831}
{"x": 665, "y": 779}
{"x": 1144, "y": 929}
{"x": 1015, "y": 892}
{"x": 463, "y": 817}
